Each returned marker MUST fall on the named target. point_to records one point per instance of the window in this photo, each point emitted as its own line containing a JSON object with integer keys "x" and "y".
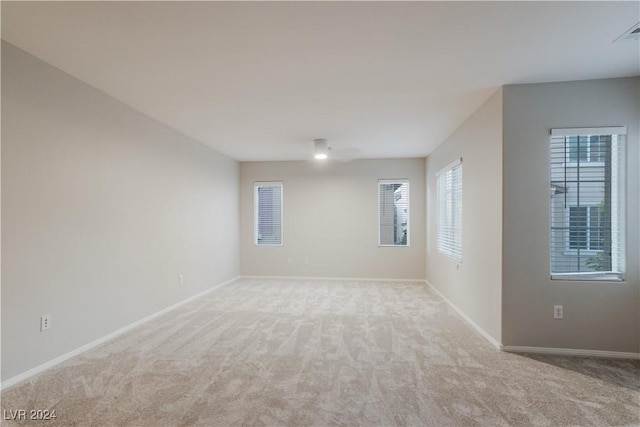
{"x": 393, "y": 212}
{"x": 268, "y": 213}
{"x": 587, "y": 203}
{"x": 449, "y": 208}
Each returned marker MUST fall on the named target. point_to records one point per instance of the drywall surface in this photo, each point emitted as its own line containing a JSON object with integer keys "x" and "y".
{"x": 597, "y": 315}
{"x": 103, "y": 209}
{"x": 331, "y": 220}
{"x": 474, "y": 285}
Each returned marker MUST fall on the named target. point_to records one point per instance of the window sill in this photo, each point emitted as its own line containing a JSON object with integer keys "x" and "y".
{"x": 588, "y": 277}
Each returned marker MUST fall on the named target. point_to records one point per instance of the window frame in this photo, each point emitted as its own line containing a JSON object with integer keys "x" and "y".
{"x": 618, "y": 136}
{"x": 400, "y": 181}
{"x": 456, "y": 240}
{"x": 256, "y": 209}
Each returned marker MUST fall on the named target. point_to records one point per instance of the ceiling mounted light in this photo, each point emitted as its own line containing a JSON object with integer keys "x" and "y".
{"x": 632, "y": 33}
{"x": 321, "y": 149}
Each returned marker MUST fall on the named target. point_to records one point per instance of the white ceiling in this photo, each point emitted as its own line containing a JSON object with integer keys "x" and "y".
{"x": 261, "y": 80}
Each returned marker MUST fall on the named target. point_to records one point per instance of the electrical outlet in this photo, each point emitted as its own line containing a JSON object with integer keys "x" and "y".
{"x": 181, "y": 279}
{"x": 558, "y": 312}
{"x": 306, "y": 260}
{"x": 290, "y": 260}
{"x": 45, "y": 322}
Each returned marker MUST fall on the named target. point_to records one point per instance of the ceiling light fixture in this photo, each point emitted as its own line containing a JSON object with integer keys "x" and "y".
{"x": 321, "y": 149}
{"x": 632, "y": 33}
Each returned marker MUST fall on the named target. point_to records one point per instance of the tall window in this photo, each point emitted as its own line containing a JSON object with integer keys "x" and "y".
{"x": 268, "y": 213}
{"x": 587, "y": 203}
{"x": 393, "y": 212}
{"x": 449, "y": 219}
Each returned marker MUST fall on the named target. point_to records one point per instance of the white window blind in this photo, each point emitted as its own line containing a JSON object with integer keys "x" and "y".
{"x": 587, "y": 203}
{"x": 449, "y": 209}
{"x": 393, "y": 212}
{"x": 268, "y": 213}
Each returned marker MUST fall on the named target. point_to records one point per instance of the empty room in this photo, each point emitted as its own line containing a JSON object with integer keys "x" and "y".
{"x": 320, "y": 213}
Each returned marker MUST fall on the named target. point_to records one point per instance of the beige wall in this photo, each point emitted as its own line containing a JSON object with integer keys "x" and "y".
{"x": 102, "y": 209}
{"x": 597, "y": 315}
{"x": 330, "y": 220}
{"x": 474, "y": 286}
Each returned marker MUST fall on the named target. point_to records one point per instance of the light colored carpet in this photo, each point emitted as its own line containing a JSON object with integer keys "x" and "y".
{"x": 267, "y": 352}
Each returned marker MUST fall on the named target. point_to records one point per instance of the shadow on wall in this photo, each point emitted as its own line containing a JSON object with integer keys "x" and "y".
{"x": 620, "y": 372}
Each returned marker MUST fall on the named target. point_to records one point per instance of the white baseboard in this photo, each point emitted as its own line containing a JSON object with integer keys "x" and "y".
{"x": 570, "y": 352}
{"x": 538, "y": 350}
{"x": 370, "y": 279}
{"x": 51, "y": 363}
{"x": 482, "y": 332}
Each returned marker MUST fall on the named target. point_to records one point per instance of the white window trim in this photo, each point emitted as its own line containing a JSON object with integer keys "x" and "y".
{"x": 255, "y": 211}
{"x": 607, "y": 130}
{"x": 594, "y": 276}
{"x": 439, "y": 250}
{"x": 396, "y": 181}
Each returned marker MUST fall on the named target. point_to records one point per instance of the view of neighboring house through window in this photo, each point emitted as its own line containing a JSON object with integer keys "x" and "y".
{"x": 586, "y": 228}
{"x": 587, "y": 148}
{"x": 393, "y": 212}
{"x": 449, "y": 211}
{"x": 587, "y": 203}
{"x": 268, "y": 213}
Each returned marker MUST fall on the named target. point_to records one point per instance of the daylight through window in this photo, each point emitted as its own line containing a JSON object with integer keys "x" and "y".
{"x": 449, "y": 209}
{"x": 268, "y": 213}
{"x": 587, "y": 203}
{"x": 393, "y": 212}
